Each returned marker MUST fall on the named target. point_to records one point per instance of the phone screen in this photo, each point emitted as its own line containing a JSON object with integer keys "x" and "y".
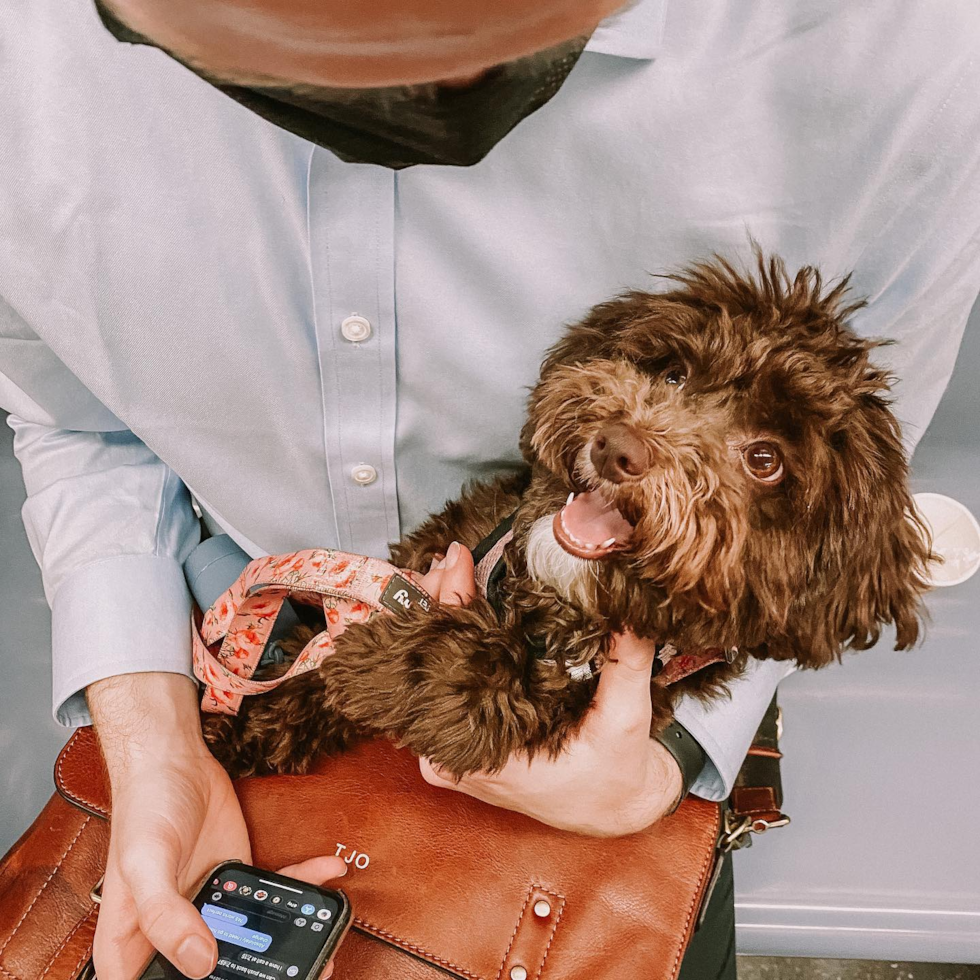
{"x": 268, "y": 927}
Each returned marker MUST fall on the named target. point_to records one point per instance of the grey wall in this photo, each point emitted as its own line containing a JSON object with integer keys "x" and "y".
{"x": 29, "y": 737}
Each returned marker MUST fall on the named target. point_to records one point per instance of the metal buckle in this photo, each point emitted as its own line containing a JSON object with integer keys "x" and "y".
{"x": 737, "y": 831}
{"x": 96, "y": 893}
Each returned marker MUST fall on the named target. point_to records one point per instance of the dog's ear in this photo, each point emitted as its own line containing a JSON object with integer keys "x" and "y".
{"x": 870, "y": 570}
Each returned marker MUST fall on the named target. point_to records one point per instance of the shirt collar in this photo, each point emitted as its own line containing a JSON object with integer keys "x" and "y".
{"x": 636, "y": 31}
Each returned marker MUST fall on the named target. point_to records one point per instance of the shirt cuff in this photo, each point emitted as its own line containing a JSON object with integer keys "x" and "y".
{"x": 725, "y": 727}
{"x": 126, "y": 615}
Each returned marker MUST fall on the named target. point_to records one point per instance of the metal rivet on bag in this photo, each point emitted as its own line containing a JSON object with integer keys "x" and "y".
{"x": 542, "y": 909}
{"x": 518, "y": 973}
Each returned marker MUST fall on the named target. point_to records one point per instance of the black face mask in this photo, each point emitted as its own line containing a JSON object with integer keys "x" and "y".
{"x": 403, "y": 125}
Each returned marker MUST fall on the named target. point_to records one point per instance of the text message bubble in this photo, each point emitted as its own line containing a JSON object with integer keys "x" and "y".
{"x": 235, "y": 932}
{"x": 244, "y": 970}
{"x": 261, "y": 961}
{"x": 217, "y": 913}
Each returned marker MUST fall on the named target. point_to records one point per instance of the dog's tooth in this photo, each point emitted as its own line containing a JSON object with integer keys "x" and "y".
{"x": 571, "y": 497}
{"x": 608, "y": 544}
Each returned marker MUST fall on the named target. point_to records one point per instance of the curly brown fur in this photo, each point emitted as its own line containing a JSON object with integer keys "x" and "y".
{"x": 724, "y": 550}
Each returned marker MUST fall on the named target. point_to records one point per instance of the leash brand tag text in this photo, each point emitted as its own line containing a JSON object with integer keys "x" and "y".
{"x": 401, "y": 596}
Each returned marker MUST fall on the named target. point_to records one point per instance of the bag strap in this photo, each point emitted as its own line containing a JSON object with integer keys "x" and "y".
{"x": 756, "y": 802}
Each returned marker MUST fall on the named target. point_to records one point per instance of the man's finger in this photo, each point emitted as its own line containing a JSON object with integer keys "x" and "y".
{"x": 433, "y": 775}
{"x": 432, "y": 581}
{"x": 317, "y": 870}
{"x": 120, "y": 949}
{"x": 622, "y": 700}
{"x": 458, "y": 585}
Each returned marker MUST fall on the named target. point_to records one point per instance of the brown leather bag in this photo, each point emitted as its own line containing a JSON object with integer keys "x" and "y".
{"x": 440, "y": 883}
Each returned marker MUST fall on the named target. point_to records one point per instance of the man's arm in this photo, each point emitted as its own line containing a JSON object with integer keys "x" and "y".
{"x": 110, "y": 524}
{"x": 174, "y": 817}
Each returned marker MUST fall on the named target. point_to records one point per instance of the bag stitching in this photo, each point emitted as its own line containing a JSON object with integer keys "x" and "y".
{"x": 8, "y": 974}
{"x": 513, "y": 936}
{"x": 378, "y": 931}
{"x": 47, "y": 881}
{"x": 85, "y": 953}
{"x": 561, "y": 908}
{"x": 72, "y": 794}
{"x": 691, "y": 910}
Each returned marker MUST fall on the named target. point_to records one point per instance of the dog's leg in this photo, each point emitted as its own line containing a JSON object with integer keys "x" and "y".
{"x": 282, "y": 731}
{"x": 452, "y": 685}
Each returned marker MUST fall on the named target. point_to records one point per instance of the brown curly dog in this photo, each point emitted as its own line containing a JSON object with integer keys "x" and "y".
{"x": 715, "y": 466}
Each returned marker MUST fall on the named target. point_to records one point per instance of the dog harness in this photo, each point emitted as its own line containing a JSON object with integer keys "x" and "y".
{"x": 669, "y": 664}
{"x": 228, "y": 640}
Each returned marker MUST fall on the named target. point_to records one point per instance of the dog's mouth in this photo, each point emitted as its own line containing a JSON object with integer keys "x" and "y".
{"x": 590, "y": 525}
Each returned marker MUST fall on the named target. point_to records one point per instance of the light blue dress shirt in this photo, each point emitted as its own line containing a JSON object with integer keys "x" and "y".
{"x": 175, "y": 275}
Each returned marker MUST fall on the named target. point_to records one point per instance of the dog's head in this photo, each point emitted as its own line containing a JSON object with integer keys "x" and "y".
{"x": 734, "y": 474}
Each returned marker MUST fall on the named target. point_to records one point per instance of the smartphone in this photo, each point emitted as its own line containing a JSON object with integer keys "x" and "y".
{"x": 268, "y": 926}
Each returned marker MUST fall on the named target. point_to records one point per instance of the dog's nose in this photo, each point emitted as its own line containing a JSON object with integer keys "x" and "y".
{"x": 619, "y": 454}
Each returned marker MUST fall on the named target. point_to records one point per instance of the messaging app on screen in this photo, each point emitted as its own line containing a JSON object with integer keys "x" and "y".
{"x": 230, "y": 926}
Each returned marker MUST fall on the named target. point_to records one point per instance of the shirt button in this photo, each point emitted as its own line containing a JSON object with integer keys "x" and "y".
{"x": 355, "y": 328}
{"x": 364, "y": 474}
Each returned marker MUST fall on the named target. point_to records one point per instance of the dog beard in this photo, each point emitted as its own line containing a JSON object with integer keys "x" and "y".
{"x": 574, "y": 579}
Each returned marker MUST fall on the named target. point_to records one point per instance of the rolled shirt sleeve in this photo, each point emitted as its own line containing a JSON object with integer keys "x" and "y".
{"x": 110, "y": 525}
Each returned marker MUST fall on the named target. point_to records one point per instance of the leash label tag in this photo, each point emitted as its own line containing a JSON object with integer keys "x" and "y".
{"x": 401, "y": 596}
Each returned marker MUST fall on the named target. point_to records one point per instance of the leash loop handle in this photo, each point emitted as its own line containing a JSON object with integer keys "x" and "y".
{"x": 350, "y": 589}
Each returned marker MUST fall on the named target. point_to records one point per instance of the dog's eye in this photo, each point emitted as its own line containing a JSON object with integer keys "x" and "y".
{"x": 764, "y": 461}
{"x": 675, "y": 376}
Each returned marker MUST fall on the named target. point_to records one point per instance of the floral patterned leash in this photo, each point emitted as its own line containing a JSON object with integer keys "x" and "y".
{"x": 229, "y": 639}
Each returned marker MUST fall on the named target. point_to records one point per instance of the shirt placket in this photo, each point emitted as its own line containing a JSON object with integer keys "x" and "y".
{"x": 351, "y": 227}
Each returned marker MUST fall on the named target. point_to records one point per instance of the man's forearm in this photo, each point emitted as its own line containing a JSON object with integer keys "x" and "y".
{"x": 138, "y": 716}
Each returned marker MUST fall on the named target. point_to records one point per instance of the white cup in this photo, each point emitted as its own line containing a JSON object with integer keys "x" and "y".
{"x": 955, "y": 537}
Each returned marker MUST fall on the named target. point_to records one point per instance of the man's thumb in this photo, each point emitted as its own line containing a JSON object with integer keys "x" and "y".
{"x": 168, "y": 920}
{"x": 458, "y": 586}
{"x": 623, "y": 695}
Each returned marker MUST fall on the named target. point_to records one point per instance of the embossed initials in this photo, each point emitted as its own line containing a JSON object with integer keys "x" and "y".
{"x": 358, "y": 858}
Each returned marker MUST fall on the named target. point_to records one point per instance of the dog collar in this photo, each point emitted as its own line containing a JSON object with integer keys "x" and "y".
{"x": 490, "y": 564}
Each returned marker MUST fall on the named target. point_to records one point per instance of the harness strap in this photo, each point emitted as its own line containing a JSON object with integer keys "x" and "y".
{"x": 491, "y": 569}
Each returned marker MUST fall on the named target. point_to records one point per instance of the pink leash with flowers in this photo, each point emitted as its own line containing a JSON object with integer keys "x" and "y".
{"x": 228, "y": 644}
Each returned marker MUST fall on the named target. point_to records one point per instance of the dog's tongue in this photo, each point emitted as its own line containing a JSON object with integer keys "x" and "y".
{"x": 591, "y": 526}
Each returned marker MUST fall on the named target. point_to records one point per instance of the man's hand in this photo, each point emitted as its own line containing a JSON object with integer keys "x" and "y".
{"x": 612, "y": 778}
{"x": 174, "y": 817}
